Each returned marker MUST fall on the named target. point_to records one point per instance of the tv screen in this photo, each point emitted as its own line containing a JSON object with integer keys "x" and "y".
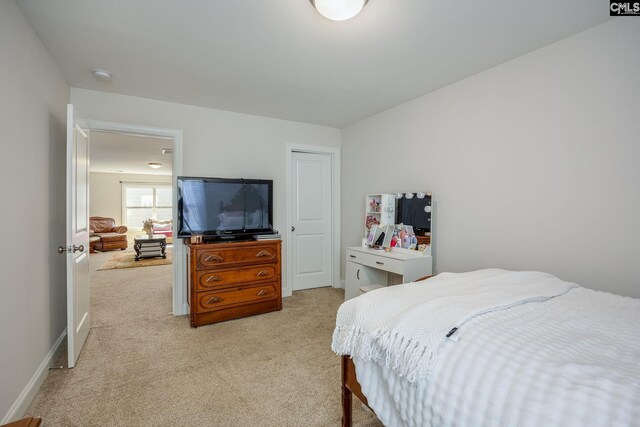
{"x": 224, "y": 207}
{"x": 416, "y": 212}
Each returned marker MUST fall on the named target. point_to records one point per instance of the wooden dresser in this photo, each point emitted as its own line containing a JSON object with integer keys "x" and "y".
{"x": 232, "y": 280}
{"x": 423, "y": 239}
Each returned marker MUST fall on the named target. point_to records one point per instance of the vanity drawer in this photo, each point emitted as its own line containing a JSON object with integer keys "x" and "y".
{"x": 224, "y": 257}
{"x": 210, "y": 279}
{"x": 210, "y": 301}
{"x": 377, "y": 261}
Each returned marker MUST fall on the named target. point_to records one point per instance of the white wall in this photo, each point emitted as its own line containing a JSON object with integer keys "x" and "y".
{"x": 534, "y": 164}
{"x": 106, "y": 192}
{"x": 33, "y": 98}
{"x": 215, "y": 143}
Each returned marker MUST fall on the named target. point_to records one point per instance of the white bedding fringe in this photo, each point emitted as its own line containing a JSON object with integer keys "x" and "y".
{"x": 407, "y": 358}
{"x": 403, "y": 327}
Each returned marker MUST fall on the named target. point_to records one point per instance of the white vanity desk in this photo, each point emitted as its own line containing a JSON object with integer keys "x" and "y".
{"x": 366, "y": 266}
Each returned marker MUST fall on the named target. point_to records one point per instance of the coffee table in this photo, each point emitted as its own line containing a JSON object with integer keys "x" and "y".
{"x": 150, "y": 247}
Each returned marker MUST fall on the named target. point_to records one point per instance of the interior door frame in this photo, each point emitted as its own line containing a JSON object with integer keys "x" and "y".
{"x": 334, "y": 153}
{"x": 179, "y": 255}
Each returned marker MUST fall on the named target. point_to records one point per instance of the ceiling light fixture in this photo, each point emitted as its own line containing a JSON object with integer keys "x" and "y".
{"x": 167, "y": 151}
{"x": 339, "y": 10}
{"x": 101, "y": 74}
{"x": 155, "y": 165}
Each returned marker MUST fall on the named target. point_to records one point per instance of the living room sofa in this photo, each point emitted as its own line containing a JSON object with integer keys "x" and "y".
{"x": 105, "y": 235}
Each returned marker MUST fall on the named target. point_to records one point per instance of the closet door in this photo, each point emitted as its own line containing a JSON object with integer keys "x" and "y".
{"x": 311, "y": 232}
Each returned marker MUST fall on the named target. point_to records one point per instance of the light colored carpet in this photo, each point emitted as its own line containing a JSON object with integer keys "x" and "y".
{"x": 128, "y": 260}
{"x": 141, "y": 366}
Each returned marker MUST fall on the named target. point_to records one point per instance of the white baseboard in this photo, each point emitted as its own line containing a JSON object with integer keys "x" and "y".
{"x": 19, "y": 407}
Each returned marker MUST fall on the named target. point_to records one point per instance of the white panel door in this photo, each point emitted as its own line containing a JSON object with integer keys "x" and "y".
{"x": 77, "y": 249}
{"x": 311, "y": 177}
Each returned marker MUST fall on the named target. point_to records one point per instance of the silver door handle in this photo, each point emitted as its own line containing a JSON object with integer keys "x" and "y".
{"x": 293, "y": 228}
{"x": 70, "y": 249}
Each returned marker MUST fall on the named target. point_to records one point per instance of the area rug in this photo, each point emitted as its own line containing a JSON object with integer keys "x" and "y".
{"x": 127, "y": 260}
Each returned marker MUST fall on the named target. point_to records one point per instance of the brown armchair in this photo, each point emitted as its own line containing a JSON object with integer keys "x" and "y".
{"x": 105, "y": 236}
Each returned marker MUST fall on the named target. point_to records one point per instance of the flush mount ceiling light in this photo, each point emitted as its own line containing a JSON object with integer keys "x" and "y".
{"x": 101, "y": 74}
{"x": 339, "y": 10}
{"x": 155, "y": 165}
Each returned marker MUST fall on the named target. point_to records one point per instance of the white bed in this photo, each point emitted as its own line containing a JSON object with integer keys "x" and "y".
{"x": 569, "y": 357}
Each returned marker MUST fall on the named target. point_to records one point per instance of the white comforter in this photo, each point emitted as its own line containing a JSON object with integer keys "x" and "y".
{"x": 572, "y": 360}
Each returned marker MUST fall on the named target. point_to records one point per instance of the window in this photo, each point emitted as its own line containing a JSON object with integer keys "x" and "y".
{"x": 143, "y": 201}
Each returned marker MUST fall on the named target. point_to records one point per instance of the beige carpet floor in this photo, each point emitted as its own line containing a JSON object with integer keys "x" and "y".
{"x": 141, "y": 366}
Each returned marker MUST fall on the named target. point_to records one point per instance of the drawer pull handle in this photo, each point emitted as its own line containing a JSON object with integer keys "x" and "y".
{"x": 214, "y": 299}
{"x": 213, "y": 258}
{"x": 214, "y": 279}
{"x": 379, "y": 263}
{"x": 263, "y": 254}
{"x": 262, "y": 273}
{"x": 262, "y": 292}
{"x": 352, "y": 256}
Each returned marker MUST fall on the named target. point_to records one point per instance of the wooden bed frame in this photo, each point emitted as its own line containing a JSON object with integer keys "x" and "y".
{"x": 351, "y": 386}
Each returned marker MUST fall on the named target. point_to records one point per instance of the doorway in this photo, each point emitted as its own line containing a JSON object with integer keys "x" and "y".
{"x": 313, "y": 208}
{"x": 130, "y": 216}
{"x": 174, "y": 138}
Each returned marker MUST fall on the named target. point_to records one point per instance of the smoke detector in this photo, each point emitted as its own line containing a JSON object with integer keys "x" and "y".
{"x": 103, "y": 75}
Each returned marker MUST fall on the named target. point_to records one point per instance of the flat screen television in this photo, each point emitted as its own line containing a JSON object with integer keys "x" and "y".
{"x": 222, "y": 208}
{"x": 415, "y": 211}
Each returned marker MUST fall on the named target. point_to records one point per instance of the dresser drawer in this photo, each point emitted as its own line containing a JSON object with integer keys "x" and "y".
{"x": 225, "y": 257}
{"x": 210, "y": 301}
{"x": 377, "y": 261}
{"x": 210, "y": 279}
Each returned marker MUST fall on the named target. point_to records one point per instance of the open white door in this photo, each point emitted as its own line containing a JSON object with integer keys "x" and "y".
{"x": 77, "y": 248}
{"x": 311, "y": 226}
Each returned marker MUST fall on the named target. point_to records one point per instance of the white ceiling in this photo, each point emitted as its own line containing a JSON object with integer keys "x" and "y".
{"x": 280, "y": 58}
{"x": 123, "y": 153}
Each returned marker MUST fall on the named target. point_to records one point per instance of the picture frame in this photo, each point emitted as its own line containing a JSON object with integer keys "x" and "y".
{"x": 372, "y": 236}
{"x": 388, "y": 236}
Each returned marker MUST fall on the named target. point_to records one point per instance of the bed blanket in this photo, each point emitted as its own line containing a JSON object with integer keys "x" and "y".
{"x": 403, "y": 327}
{"x": 572, "y": 361}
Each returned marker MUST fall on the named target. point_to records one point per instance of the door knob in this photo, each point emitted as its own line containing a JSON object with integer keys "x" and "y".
{"x": 70, "y": 249}
{"x": 293, "y": 228}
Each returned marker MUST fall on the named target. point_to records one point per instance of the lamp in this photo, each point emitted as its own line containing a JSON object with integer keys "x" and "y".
{"x": 339, "y": 10}
{"x": 155, "y": 165}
